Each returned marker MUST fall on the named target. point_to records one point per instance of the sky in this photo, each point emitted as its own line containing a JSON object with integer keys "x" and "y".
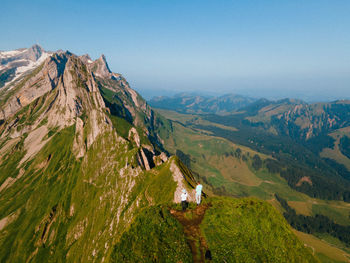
{"x": 295, "y": 48}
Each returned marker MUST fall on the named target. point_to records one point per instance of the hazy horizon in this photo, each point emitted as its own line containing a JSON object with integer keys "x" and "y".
{"x": 272, "y": 94}
{"x": 271, "y": 49}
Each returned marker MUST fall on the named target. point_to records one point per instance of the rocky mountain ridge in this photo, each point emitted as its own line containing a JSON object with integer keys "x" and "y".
{"x": 57, "y": 133}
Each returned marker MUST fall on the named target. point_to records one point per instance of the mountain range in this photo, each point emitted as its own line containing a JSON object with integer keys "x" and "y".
{"x": 90, "y": 172}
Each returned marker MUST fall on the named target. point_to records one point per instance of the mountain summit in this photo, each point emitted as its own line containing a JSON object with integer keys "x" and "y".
{"x": 14, "y": 64}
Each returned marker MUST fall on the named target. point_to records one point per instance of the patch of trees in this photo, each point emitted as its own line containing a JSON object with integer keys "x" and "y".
{"x": 237, "y": 153}
{"x": 323, "y": 187}
{"x": 341, "y": 169}
{"x": 314, "y": 224}
{"x": 341, "y": 111}
{"x": 344, "y": 146}
{"x": 256, "y": 162}
{"x": 273, "y": 166}
{"x": 318, "y": 143}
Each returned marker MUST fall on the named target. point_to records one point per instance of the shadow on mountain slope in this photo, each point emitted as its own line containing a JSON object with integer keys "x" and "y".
{"x": 191, "y": 220}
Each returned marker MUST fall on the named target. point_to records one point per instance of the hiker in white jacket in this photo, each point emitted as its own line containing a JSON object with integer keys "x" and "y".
{"x": 184, "y": 199}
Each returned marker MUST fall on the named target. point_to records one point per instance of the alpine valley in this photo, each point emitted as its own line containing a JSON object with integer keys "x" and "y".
{"x": 290, "y": 153}
{"x": 89, "y": 172}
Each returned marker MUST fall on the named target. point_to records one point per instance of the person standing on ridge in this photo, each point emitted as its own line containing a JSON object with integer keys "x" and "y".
{"x": 198, "y": 193}
{"x": 184, "y": 199}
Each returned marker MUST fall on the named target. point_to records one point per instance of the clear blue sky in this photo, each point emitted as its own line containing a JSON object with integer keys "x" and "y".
{"x": 269, "y": 47}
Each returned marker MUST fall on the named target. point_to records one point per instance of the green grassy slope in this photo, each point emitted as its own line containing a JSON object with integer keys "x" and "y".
{"x": 235, "y": 230}
{"x": 250, "y": 230}
{"x": 63, "y": 208}
{"x": 36, "y": 199}
{"x": 154, "y": 236}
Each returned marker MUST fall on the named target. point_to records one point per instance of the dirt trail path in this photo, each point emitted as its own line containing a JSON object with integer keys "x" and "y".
{"x": 190, "y": 220}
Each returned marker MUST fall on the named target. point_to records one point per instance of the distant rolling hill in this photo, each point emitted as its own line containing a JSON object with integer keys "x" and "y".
{"x": 187, "y": 103}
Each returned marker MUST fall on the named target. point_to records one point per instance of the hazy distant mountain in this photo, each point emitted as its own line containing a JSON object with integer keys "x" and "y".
{"x": 16, "y": 63}
{"x": 187, "y": 103}
{"x": 298, "y": 119}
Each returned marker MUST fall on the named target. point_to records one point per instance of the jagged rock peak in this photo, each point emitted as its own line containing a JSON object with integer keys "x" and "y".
{"x": 103, "y": 59}
{"x": 14, "y": 64}
{"x": 100, "y": 67}
{"x": 60, "y": 70}
{"x": 86, "y": 58}
{"x": 35, "y": 51}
